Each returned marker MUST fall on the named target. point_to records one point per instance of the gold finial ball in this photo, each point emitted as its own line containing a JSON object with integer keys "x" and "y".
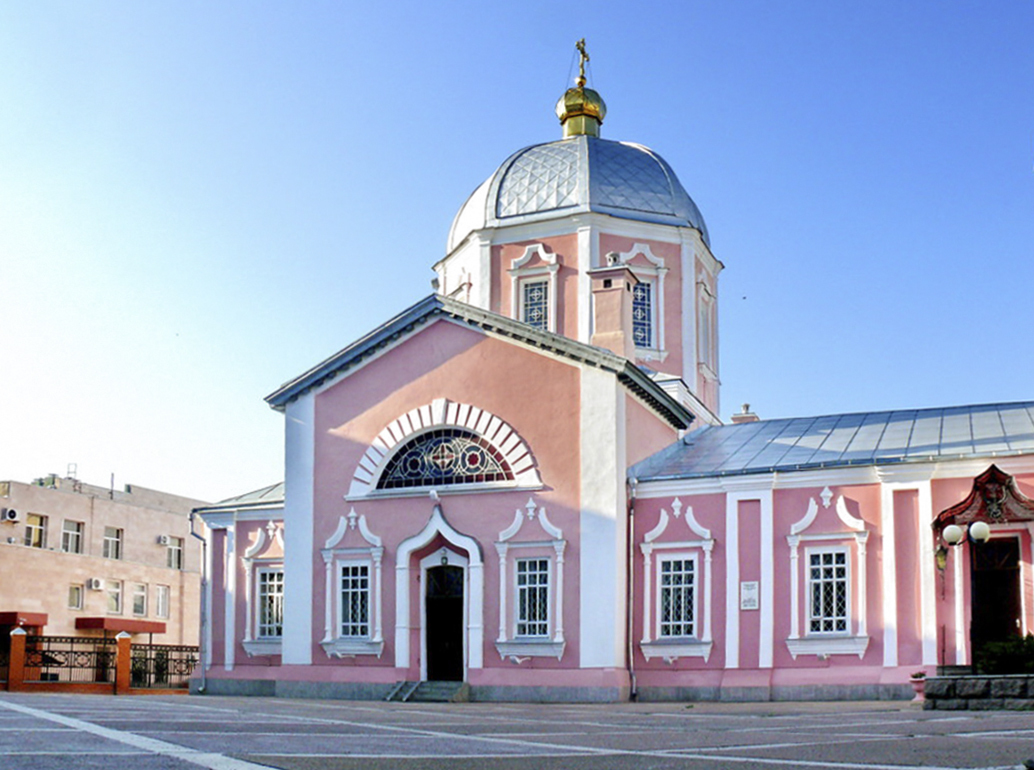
{"x": 581, "y": 101}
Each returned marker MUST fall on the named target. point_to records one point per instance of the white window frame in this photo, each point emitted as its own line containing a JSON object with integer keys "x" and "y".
{"x": 521, "y": 647}
{"x": 70, "y": 536}
{"x": 35, "y": 530}
{"x": 140, "y": 592}
{"x": 652, "y": 273}
{"x": 341, "y": 564}
{"x": 811, "y": 584}
{"x": 521, "y": 274}
{"x": 162, "y": 600}
{"x": 336, "y": 556}
{"x": 525, "y": 285}
{"x": 174, "y": 553}
{"x": 261, "y": 597}
{"x": 252, "y": 643}
{"x": 671, "y": 556}
{"x": 113, "y": 543}
{"x": 852, "y": 540}
{"x": 78, "y": 591}
{"x": 518, "y": 619}
{"x": 707, "y": 333}
{"x": 113, "y": 591}
{"x": 671, "y": 648}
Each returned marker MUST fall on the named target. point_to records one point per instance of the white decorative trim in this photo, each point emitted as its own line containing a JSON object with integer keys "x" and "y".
{"x": 824, "y": 646}
{"x": 827, "y": 495}
{"x": 813, "y": 510}
{"x": 253, "y": 562}
{"x": 442, "y": 413}
{"x": 264, "y": 646}
{"x": 519, "y": 274}
{"x": 653, "y": 275}
{"x": 671, "y": 651}
{"x": 474, "y": 588}
{"x": 845, "y": 516}
{"x": 334, "y": 558}
{"x": 299, "y": 545}
{"x": 889, "y": 600}
{"x": 515, "y": 647}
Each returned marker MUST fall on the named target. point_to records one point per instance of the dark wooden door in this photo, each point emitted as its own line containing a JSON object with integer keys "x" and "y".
{"x": 444, "y": 614}
{"x": 996, "y": 591}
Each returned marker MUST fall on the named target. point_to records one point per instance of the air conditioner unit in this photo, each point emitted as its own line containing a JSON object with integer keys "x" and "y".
{"x": 95, "y": 584}
{"x": 164, "y": 540}
{"x": 8, "y": 514}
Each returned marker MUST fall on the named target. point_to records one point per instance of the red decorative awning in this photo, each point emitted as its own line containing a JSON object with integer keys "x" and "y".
{"x": 21, "y": 619}
{"x": 994, "y": 499}
{"x": 107, "y": 623}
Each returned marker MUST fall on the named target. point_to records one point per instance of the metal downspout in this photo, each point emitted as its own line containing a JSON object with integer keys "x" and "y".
{"x": 630, "y": 590}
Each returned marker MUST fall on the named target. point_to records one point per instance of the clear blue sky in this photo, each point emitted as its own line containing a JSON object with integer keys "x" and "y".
{"x": 200, "y": 200}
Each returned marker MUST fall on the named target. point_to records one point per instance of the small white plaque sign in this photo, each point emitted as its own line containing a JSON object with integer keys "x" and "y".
{"x": 749, "y": 595}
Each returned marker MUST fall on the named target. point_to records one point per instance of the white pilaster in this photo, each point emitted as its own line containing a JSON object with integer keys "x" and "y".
{"x": 299, "y": 435}
{"x": 890, "y": 576}
{"x": 927, "y": 575}
{"x": 588, "y": 245}
{"x": 230, "y": 594}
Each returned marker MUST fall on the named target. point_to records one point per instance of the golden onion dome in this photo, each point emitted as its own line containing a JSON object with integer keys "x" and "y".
{"x": 581, "y": 111}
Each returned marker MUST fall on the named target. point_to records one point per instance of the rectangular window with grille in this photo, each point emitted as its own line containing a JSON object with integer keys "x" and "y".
{"x": 72, "y": 536}
{"x": 677, "y": 597}
{"x": 532, "y": 597}
{"x": 828, "y": 592}
{"x": 112, "y": 543}
{"x": 36, "y": 531}
{"x": 355, "y": 600}
{"x": 270, "y": 592}
{"x": 642, "y": 315}
{"x": 535, "y": 304}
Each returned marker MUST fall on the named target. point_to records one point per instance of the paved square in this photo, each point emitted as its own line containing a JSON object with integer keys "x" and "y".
{"x": 59, "y": 732}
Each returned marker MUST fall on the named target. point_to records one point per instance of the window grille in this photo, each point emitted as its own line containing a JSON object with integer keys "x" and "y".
{"x": 532, "y": 597}
{"x": 355, "y": 600}
{"x": 535, "y": 304}
{"x": 271, "y": 603}
{"x": 445, "y": 456}
{"x": 827, "y": 581}
{"x": 642, "y": 315}
{"x": 677, "y": 585}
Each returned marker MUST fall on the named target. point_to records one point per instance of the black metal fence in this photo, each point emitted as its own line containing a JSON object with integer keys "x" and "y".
{"x": 162, "y": 665}
{"x": 69, "y": 659}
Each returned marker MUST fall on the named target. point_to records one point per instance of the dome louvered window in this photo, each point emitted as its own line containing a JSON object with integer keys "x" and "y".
{"x": 445, "y": 456}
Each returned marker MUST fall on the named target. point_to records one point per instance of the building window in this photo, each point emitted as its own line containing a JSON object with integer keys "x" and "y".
{"x": 535, "y": 304}
{"x": 174, "y": 553}
{"x": 532, "y": 597}
{"x": 355, "y": 600}
{"x": 161, "y": 601}
{"x": 677, "y": 585}
{"x": 642, "y": 315}
{"x": 445, "y": 456}
{"x": 140, "y": 599}
{"x": 114, "y": 591}
{"x": 828, "y": 590}
{"x": 112, "y": 543}
{"x": 72, "y": 537}
{"x": 36, "y": 531}
{"x": 270, "y": 595}
{"x": 75, "y": 597}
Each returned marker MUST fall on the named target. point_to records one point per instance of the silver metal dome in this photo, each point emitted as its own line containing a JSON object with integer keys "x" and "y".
{"x": 575, "y": 175}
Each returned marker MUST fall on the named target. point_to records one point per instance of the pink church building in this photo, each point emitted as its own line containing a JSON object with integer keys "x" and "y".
{"x": 521, "y": 485}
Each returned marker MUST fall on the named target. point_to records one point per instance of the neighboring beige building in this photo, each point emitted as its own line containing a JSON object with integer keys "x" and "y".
{"x": 82, "y": 560}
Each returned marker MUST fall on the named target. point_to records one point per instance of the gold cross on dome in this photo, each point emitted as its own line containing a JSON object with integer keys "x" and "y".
{"x": 583, "y": 57}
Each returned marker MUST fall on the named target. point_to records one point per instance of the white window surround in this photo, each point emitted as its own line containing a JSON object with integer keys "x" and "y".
{"x": 652, "y": 274}
{"x": 672, "y": 648}
{"x": 335, "y": 556}
{"x": 856, "y": 640}
{"x": 520, "y": 273}
{"x": 707, "y": 342}
{"x": 252, "y": 643}
{"x": 508, "y": 644}
{"x": 442, "y": 413}
{"x": 473, "y": 591}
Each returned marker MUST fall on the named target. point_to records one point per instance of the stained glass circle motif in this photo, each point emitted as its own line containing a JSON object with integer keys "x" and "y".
{"x": 445, "y": 456}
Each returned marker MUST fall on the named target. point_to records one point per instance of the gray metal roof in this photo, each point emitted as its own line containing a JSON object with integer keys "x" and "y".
{"x": 582, "y": 173}
{"x": 865, "y": 438}
{"x": 267, "y": 497}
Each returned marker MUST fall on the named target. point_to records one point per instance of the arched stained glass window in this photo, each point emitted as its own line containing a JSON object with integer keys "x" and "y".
{"x": 445, "y": 456}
